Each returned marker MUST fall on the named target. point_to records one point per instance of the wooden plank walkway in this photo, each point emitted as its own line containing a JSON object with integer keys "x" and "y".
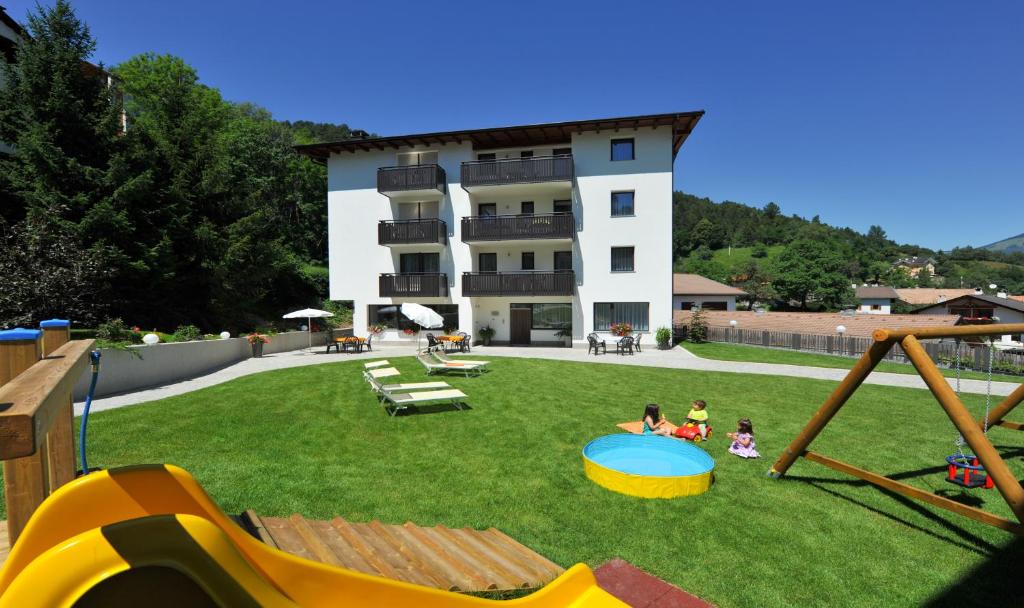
{"x": 453, "y": 559}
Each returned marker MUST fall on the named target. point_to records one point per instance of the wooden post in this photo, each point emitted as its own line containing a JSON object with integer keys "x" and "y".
{"x": 25, "y": 479}
{"x": 994, "y": 465}
{"x": 60, "y": 441}
{"x": 996, "y": 415}
{"x": 828, "y": 410}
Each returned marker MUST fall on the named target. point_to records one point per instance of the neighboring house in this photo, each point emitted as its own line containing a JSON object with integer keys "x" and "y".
{"x": 977, "y": 308}
{"x": 923, "y": 296}
{"x": 694, "y": 291}
{"x": 875, "y": 300}
{"x": 526, "y": 229}
{"x": 914, "y": 265}
{"x": 816, "y": 323}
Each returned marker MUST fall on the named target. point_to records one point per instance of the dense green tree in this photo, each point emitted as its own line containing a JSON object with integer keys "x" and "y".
{"x": 810, "y": 269}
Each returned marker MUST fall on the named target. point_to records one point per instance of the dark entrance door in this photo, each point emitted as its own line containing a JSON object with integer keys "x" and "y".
{"x": 522, "y": 320}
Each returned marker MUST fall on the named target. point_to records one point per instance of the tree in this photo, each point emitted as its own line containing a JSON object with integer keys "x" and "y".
{"x": 760, "y": 250}
{"x": 810, "y": 268}
{"x": 702, "y": 234}
{"x": 697, "y": 331}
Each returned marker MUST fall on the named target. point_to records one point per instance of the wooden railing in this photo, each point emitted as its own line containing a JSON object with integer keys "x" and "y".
{"x": 405, "y": 232}
{"x": 37, "y": 375}
{"x": 517, "y": 171}
{"x": 414, "y": 284}
{"x": 511, "y": 227}
{"x": 411, "y": 177}
{"x": 524, "y": 283}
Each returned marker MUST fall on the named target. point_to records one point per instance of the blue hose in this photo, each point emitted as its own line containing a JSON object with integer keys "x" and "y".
{"x": 94, "y": 357}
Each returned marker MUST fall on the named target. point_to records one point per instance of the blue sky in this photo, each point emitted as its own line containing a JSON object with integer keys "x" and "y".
{"x": 907, "y": 115}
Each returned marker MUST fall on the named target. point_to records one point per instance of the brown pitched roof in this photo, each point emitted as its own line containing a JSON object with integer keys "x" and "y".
{"x": 696, "y": 285}
{"x": 875, "y": 292}
{"x": 993, "y": 300}
{"x": 682, "y": 124}
{"x": 919, "y": 296}
{"x": 821, "y": 323}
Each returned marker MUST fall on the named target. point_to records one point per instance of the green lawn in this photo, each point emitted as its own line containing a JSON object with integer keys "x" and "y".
{"x": 744, "y": 352}
{"x": 314, "y": 440}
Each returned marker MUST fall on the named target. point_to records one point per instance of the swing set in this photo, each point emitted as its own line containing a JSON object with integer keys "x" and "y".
{"x": 983, "y": 468}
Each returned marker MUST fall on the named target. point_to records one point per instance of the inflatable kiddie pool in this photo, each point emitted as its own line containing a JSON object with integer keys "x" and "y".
{"x": 648, "y": 466}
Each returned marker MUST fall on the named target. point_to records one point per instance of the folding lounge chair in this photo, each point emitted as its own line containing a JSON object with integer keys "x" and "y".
{"x": 373, "y": 364}
{"x": 380, "y": 389}
{"x": 443, "y": 358}
{"x": 435, "y": 367}
{"x": 383, "y": 372}
{"x": 400, "y": 401}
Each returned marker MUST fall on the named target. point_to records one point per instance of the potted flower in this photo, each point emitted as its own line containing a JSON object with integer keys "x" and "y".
{"x": 256, "y": 341}
{"x": 486, "y": 333}
{"x": 409, "y": 331}
{"x": 566, "y": 334}
{"x": 377, "y": 329}
{"x": 620, "y": 329}
{"x": 663, "y": 336}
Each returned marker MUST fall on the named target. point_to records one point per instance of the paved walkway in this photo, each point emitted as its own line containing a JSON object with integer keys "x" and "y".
{"x": 677, "y": 358}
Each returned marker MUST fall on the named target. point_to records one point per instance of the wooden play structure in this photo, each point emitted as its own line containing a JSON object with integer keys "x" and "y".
{"x": 984, "y": 468}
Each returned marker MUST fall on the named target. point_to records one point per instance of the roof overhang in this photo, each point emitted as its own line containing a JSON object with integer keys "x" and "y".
{"x": 552, "y": 133}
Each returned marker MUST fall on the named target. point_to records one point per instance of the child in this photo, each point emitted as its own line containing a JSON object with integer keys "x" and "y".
{"x": 743, "y": 440}
{"x": 698, "y": 415}
{"x": 653, "y": 424}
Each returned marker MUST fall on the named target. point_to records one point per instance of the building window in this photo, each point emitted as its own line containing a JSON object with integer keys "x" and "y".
{"x": 552, "y": 316}
{"x": 487, "y": 209}
{"x": 622, "y": 259}
{"x": 622, "y": 149}
{"x": 608, "y": 313}
{"x": 526, "y": 154}
{"x": 527, "y": 260}
{"x": 487, "y": 262}
{"x": 622, "y": 204}
{"x": 876, "y": 307}
{"x": 419, "y": 262}
{"x": 406, "y": 159}
{"x": 684, "y": 305}
{"x": 562, "y": 207}
{"x": 487, "y": 156}
{"x": 526, "y": 208}
{"x": 563, "y": 261}
{"x": 390, "y": 315}
{"x": 562, "y": 152}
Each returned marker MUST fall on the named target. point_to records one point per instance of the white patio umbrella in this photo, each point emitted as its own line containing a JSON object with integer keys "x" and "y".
{"x": 308, "y": 314}
{"x": 422, "y": 316}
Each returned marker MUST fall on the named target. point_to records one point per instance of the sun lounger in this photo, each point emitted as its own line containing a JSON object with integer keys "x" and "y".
{"x": 383, "y": 372}
{"x": 400, "y": 401}
{"x": 436, "y": 367}
{"x": 373, "y": 364}
{"x": 443, "y": 358}
{"x": 402, "y": 388}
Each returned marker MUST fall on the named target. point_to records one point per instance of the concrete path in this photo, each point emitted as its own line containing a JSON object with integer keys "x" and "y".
{"x": 677, "y": 358}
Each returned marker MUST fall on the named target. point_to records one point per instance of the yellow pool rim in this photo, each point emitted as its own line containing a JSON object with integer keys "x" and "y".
{"x": 647, "y": 486}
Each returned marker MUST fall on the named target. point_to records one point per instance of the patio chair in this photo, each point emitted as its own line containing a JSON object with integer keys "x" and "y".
{"x": 596, "y": 344}
{"x": 369, "y": 343}
{"x": 334, "y": 340}
{"x": 636, "y": 342}
{"x": 442, "y": 358}
{"x": 623, "y": 345}
{"x": 467, "y": 341}
{"x": 436, "y": 367}
{"x": 432, "y": 342}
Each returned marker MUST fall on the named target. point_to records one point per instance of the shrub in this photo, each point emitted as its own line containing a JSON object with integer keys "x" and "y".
{"x": 663, "y": 335}
{"x": 115, "y": 330}
{"x": 187, "y": 333}
{"x": 698, "y": 331}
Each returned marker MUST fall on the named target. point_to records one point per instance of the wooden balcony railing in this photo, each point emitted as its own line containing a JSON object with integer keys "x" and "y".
{"x": 523, "y": 283}
{"x": 532, "y": 170}
{"x": 513, "y": 227}
{"x": 395, "y": 180}
{"x": 407, "y": 232}
{"x": 414, "y": 284}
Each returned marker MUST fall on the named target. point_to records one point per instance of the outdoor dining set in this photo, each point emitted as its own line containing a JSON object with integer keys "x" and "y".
{"x": 622, "y": 344}
{"x": 458, "y": 342}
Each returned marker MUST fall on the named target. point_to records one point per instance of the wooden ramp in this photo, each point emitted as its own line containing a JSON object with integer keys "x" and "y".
{"x": 444, "y": 558}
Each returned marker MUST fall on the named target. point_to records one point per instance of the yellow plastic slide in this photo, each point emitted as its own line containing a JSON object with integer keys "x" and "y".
{"x": 149, "y": 535}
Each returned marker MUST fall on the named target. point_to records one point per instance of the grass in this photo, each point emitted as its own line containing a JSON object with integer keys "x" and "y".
{"x": 314, "y": 440}
{"x": 759, "y": 354}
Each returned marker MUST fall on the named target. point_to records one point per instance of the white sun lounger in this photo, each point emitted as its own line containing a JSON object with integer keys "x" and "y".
{"x": 384, "y": 372}
{"x": 401, "y": 388}
{"x": 400, "y": 401}
{"x": 373, "y": 364}
{"x": 445, "y": 359}
{"x": 436, "y": 367}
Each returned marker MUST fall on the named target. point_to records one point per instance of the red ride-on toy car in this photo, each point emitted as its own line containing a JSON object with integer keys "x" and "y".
{"x": 691, "y": 432}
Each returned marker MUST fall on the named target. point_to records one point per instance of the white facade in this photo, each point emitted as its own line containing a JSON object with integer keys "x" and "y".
{"x": 709, "y": 302}
{"x": 357, "y": 260}
{"x": 875, "y": 306}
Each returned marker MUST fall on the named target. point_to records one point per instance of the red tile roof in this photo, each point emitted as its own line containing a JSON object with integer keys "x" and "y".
{"x": 822, "y": 323}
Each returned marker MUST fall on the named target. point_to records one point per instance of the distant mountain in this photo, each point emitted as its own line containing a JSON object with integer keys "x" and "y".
{"x": 1010, "y": 245}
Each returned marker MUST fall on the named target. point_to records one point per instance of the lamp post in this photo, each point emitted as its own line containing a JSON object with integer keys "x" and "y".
{"x": 732, "y": 328}
{"x": 840, "y": 329}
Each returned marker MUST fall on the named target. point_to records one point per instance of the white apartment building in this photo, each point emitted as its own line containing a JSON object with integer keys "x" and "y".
{"x": 526, "y": 229}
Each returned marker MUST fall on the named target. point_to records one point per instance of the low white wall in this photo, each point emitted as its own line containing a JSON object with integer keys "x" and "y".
{"x": 160, "y": 364}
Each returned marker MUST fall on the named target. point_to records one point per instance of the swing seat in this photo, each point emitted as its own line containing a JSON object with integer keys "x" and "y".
{"x": 966, "y": 472}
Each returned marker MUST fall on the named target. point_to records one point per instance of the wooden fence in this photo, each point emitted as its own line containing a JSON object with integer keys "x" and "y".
{"x": 943, "y": 352}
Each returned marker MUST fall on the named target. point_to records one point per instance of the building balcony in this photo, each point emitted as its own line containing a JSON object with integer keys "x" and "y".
{"x": 412, "y": 181}
{"x": 414, "y": 285}
{"x": 487, "y": 174}
{"x": 541, "y": 226}
{"x": 412, "y": 232}
{"x": 522, "y": 283}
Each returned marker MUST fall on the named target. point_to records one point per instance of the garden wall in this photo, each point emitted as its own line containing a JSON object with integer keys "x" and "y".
{"x": 165, "y": 363}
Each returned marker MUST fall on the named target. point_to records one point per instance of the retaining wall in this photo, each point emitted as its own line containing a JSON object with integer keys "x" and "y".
{"x": 160, "y": 364}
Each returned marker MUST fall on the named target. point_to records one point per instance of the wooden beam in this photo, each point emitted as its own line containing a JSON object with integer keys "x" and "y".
{"x": 996, "y": 415}
{"x": 842, "y": 393}
{"x": 912, "y": 492}
{"x": 60, "y": 441}
{"x": 995, "y": 466}
{"x": 35, "y": 397}
{"x": 922, "y": 333}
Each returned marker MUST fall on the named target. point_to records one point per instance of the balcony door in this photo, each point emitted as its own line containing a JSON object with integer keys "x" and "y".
{"x": 416, "y": 263}
{"x": 563, "y": 261}
{"x": 408, "y": 159}
{"x": 487, "y": 262}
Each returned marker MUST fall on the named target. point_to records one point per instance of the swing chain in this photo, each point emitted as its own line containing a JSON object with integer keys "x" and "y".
{"x": 960, "y": 441}
{"x": 988, "y": 391}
